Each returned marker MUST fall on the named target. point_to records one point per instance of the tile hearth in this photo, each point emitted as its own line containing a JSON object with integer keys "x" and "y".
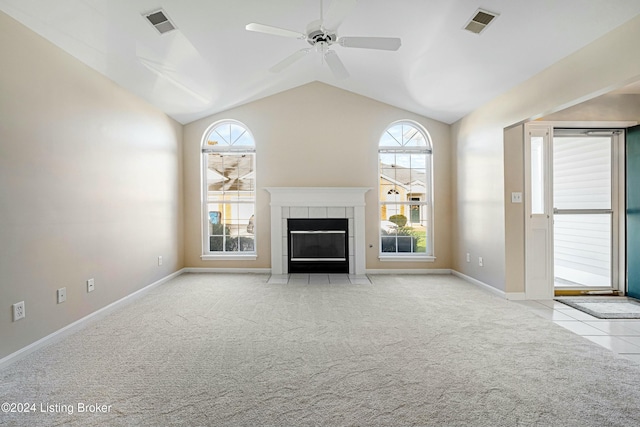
{"x": 319, "y": 279}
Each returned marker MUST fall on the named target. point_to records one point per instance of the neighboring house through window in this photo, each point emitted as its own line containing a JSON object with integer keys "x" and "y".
{"x": 229, "y": 190}
{"x": 405, "y": 192}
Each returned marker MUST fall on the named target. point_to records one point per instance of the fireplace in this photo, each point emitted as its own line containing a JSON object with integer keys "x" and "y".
{"x": 317, "y": 203}
{"x": 318, "y": 245}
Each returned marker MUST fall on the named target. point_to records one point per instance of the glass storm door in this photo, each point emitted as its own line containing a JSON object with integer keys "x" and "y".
{"x": 584, "y": 209}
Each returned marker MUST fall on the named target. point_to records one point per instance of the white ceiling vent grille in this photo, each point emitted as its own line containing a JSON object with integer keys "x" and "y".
{"x": 160, "y": 21}
{"x": 480, "y": 20}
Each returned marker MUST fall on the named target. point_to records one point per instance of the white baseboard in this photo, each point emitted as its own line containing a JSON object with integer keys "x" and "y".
{"x": 410, "y": 271}
{"x": 516, "y": 296}
{"x": 477, "y": 282}
{"x": 227, "y": 270}
{"x": 81, "y": 323}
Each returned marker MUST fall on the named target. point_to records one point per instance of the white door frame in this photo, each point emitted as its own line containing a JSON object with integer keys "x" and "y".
{"x": 539, "y": 281}
{"x": 538, "y": 212}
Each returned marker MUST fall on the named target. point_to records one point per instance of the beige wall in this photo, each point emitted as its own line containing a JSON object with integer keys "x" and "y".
{"x": 319, "y": 136}
{"x": 514, "y": 212}
{"x": 608, "y": 107}
{"x": 90, "y": 187}
{"x": 479, "y": 165}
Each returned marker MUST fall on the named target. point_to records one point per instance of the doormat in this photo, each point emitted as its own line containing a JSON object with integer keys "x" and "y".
{"x": 605, "y": 307}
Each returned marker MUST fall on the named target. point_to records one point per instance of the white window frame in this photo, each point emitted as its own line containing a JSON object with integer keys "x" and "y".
{"x": 426, "y": 203}
{"x": 206, "y": 149}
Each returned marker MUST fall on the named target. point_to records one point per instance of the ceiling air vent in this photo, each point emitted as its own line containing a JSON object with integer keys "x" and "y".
{"x": 480, "y": 20}
{"x": 160, "y": 21}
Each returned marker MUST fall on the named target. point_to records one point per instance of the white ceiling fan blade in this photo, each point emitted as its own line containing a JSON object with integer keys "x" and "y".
{"x": 288, "y": 61}
{"x": 275, "y": 31}
{"x": 336, "y": 65}
{"x": 381, "y": 43}
{"x": 338, "y": 10}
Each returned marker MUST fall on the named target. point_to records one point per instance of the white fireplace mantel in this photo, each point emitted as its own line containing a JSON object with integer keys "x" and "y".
{"x": 317, "y": 202}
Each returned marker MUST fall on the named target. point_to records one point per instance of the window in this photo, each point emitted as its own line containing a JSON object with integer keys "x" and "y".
{"x": 229, "y": 190}
{"x": 537, "y": 175}
{"x": 404, "y": 154}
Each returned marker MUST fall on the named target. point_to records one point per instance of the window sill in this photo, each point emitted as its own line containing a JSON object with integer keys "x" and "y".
{"x": 407, "y": 258}
{"x": 229, "y": 257}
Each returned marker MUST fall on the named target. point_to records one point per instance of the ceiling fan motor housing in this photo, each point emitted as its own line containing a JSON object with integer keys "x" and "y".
{"x": 317, "y": 34}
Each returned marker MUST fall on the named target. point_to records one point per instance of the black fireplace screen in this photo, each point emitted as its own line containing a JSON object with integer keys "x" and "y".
{"x": 318, "y": 245}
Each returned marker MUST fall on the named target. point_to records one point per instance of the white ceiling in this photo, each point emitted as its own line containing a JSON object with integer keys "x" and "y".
{"x": 212, "y": 63}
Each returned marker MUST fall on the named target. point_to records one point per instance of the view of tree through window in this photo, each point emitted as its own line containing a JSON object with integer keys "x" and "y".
{"x": 405, "y": 190}
{"x": 230, "y": 190}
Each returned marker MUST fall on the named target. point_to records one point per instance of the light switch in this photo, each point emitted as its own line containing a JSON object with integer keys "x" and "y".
{"x": 516, "y": 197}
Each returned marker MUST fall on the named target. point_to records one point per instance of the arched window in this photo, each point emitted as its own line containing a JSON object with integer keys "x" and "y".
{"x": 229, "y": 190}
{"x": 406, "y": 208}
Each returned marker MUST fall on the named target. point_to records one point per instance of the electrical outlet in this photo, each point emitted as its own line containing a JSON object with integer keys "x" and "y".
{"x": 480, "y": 262}
{"x": 18, "y": 311}
{"x": 62, "y": 295}
{"x": 160, "y": 260}
{"x": 468, "y": 257}
{"x": 90, "y": 285}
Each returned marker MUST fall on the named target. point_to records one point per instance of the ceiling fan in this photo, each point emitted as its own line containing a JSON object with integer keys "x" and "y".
{"x": 322, "y": 34}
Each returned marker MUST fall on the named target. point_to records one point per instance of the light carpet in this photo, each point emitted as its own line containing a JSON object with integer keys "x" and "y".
{"x": 605, "y": 307}
{"x": 231, "y": 350}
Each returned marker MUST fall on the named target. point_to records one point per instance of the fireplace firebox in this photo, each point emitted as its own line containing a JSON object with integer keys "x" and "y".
{"x": 318, "y": 245}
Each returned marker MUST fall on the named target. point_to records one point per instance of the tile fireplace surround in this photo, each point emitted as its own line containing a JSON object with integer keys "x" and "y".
{"x": 317, "y": 202}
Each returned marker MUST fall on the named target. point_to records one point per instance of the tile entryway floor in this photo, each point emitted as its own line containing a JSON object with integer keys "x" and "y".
{"x": 622, "y": 336}
{"x": 336, "y": 279}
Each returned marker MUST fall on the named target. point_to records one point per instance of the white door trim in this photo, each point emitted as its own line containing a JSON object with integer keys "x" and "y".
{"x": 538, "y": 222}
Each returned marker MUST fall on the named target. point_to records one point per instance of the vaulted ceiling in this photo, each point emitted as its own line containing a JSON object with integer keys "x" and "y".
{"x": 211, "y": 63}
